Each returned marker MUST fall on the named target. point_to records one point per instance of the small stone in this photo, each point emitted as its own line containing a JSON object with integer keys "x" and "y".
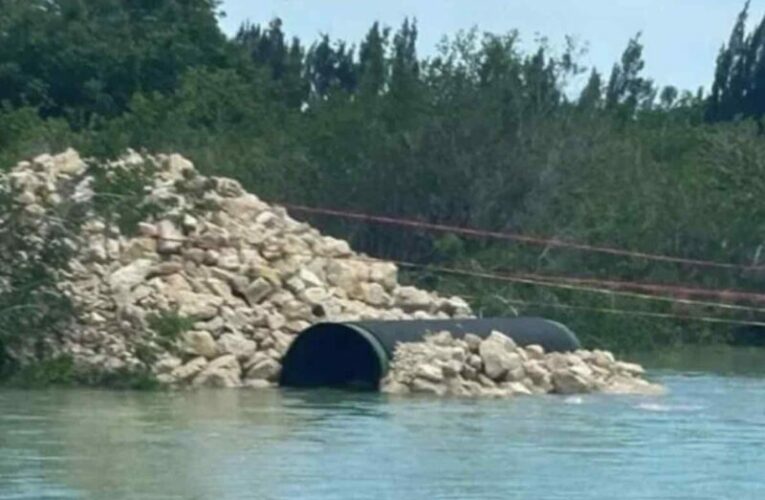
{"x": 427, "y": 387}
{"x": 314, "y": 296}
{"x": 630, "y": 368}
{"x": 473, "y": 341}
{"x": 258, "y": 384}
{"x": 170, "y": 237}
{"x": 166, "y": 268}
{"x": 309, "y": 278}
{"x": 147, "y": 230}
{"x": 535, "y": 351}
{"x": 237, "y": 345}
{"x": 410, "y": 298}
{"x": 257, "y": 291}
{"x": 430, "y": 373}
{"x": 441, "y": 339}
{"x": 517, "y": 388}
{"x": 222, "y": 372}
{"x": 167, "y": 364}
{"x": 267, "y": 369}
{"x": 190, "y": 369}
{"x": 567, "y": 382}
{"x": 201, "y": 343}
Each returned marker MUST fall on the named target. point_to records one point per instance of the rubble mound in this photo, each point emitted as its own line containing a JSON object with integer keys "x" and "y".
{"x": 497, "y": 367}
{"x": 213, "y": 285}
{"x": 199, "y": 283}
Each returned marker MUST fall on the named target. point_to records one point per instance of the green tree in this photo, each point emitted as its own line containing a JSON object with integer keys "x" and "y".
{"x": 627, "y": 90}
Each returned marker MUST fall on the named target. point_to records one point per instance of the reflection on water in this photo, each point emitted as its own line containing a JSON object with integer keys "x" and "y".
{"x": 703, "y": 440}
{"x": 723, "y": 360}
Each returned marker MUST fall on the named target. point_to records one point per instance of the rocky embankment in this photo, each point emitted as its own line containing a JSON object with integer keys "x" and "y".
{"x": 497, "y": 367}
{"x": 212, "y": 286}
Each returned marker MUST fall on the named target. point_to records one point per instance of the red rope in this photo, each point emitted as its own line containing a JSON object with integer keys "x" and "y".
{"x": 532, "y": 240}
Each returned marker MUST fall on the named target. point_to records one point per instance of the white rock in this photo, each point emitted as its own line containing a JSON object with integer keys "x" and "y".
{"x": 630, "y": 368}
{"x": 535, "y": 351}
{"x": 410, "y": 298}
{"x": 568, "y": 382}
{"x": 257, "y": 291}
{"x": 236, "y": 344}
{"x": 198, "y": 306}
{"x": 430, "y": 373}
{"x": 170, "y": 237}
{"x": 310, "y": 278}
{"x": 267, "y": 369}
{"x": 190, "y": 369}
{"x": 223, "y": 372}
{"x": 125, "y": 278}
{"x": 69, "y": 163}
{"x": 200, "y": 343}
{"x": 498, "y": 356}
{"x": 374, "y": 294}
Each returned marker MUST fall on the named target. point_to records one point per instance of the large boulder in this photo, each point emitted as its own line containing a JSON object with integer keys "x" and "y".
{"x": 498, "y": 355}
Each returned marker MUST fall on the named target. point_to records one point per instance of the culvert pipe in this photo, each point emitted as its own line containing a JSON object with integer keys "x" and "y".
{"x": 358, "y": 354}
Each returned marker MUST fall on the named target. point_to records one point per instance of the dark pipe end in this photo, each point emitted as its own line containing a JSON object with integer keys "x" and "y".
{"x": 334, "y": 355}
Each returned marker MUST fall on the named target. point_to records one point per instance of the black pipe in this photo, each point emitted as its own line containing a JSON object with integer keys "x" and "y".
{"x": 358, "y": 353}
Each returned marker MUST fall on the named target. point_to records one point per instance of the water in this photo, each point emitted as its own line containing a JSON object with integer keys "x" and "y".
{"x": 706, "y": 439}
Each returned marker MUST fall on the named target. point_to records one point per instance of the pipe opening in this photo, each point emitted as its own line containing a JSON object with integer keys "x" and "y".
{"x": 334, "y": 355}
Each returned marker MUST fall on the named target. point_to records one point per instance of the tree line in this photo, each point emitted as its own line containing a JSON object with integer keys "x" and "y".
{"x": 481, "y": 134}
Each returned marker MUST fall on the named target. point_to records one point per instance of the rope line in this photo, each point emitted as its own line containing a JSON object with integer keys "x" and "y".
{"x": 552, "y": 284}
{"x": 561, "y": 282}
{"x": 532, "y": 240}
{"x": 703, "y": 319}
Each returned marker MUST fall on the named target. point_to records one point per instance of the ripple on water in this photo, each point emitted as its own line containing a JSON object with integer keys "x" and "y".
{"x": 701, "y": 441}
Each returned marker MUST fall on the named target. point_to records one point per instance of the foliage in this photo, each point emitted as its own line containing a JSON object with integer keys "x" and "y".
{"x": 120, "y": 192}
{"x": 33, "y": 249}
{"x": 483, "y": 134}
{"x": 169, "y": 325}
{"x": 738, "y": 90}
{"x": 58, "y": 371}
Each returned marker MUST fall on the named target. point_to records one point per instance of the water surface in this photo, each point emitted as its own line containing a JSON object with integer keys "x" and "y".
{"x": 704, "y": 440}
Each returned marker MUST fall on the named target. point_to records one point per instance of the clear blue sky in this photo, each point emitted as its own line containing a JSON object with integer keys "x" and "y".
{"x": 681, "y": 37}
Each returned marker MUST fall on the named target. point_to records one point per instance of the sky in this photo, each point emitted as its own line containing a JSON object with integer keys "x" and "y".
{"x": 681, "y": 37}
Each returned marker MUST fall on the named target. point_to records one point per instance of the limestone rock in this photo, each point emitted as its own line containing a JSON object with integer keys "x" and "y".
{"x": 410, "y": 298}
{"x": 257, "y": 291}
{"x": 570, "y": 382}
{"x": 266, "y": 369}
{"x": 130, "y": 275}
{"x": 200, "y": 343}
{"x": 199, "y": 306}
{"x": 190, "y": 369}
{"x": 237, "y": 345}
{"x": 498, "y": 356}
{"x": 222, "y": 372}
{"x": 170, "y": 237}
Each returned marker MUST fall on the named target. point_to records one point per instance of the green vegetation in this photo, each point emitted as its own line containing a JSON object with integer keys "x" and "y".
{"x": 170, "y": 325}
{"x": 121, "y": 193}
{"x": 480, "y": 135}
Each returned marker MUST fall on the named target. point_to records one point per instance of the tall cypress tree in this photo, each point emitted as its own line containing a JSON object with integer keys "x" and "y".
{"x": 372, "y": 65}
{"x": 728, "y": 89}
{"x": 592, "y": 94}
{"x": 627, "y": 90}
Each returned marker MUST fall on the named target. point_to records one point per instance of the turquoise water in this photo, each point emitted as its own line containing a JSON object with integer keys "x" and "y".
{"x": 705, "y": 439}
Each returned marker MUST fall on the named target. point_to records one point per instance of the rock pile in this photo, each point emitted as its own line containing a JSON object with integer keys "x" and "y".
{"x": 497, "y": 367}
{"x": 214, "y": 284}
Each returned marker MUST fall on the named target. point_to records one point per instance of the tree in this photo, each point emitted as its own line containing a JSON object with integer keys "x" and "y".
{"x": 592, "y": 93}
{"x": 372, "y": 63}
{"x": 727, "y": 97}
{"x": 627, "y": 90}
{"x": 79, "y": 59}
